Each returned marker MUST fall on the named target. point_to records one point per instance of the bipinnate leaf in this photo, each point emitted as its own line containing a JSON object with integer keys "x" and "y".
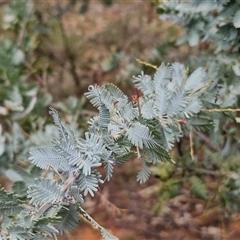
{"x": 129, "y": 112}
{"x": 147, "y": 110}
{"x": 200, "y": 123}
{"x": 178, "y": 102}
{"x": 107, "y": 236}
{"x": 156, "y": 155}
{"x": 195, "y": 80}
{"x": 62, "y": 131}
{"x": 69, "y": 219}
{"x": 88, "y": 184}
{"x": 44, "y": 191}
{"x": 45, "y": 225}
{"x": 48, "y": 157}
{"x": 144, "y": 174}
{"x": 69, "y": 154}
{"x": 104, "y": 115}
{"x": 93, "y": 95}
{"x": 114, "y": 91}
{"x": 19, "y": 233}
{"x": 198, "y": 188}
{"x": 145, "y": 84}
{"x": 193, "y": 107}
{"x": 76, "y": 194}
{"x": 108, "y": 166}
{"x": 124, "y": 157}
{"x": 139, "y": 135}
{"x": 162, "y": 76}
{"x": 19, "y": 187}
{"x": 162, "y": 101}
{"x": 9, "y": 203}
{"x": 178, "y": 73}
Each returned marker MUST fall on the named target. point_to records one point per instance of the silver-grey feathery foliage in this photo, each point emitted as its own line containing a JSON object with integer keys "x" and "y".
{"x": 146, "y": 126}
{"x": 209, "y": 22}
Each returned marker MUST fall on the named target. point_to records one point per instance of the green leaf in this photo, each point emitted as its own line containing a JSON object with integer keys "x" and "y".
{"x": 18, "y": 57}
{"x": 24, "y": 175}
{"x": 2, "y": 141}
{"x": 156, "y": 155}
{"x": 6, "y": 222}
{"x": 200, "y": 123}
{"x": 10, "y": 208}
{"x": 236, "y": 19}
{"x": 167, "y": 136}
{"x": 69, "y": 219}
{"x": 9, "y": 204}
{"x": 45, "y": 225}
{"x": 19, "y": 188}
{"x": 198, "y": 188}
{"x": 124, "y": 157}
{"x": 236, "y": 69}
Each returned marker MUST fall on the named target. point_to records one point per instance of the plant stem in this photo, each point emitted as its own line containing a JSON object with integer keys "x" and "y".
{"x": 103, "y": 231}
{"x": 221, "y": 110}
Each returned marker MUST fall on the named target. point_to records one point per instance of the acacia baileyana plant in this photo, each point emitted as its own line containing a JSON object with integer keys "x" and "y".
{"x": 163, "y": 109}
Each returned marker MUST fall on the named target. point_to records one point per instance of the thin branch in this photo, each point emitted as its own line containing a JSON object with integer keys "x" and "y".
{"x": 69, "y": 55}
{"x": 94, "y": 223}
{"x": 146, "y": 192}
{"x": 185, "y": 76}
{"x": 35, "y": 75}
{"x": 68, "y": 183}
{"x": 146, "y": 63}
{"x": 208, "y": 142}
{"x": 22, "y": 30}
{"x": 138, "y": 152}
{"x": 208, "y": 172}
{"x": 191, "y": 144}
{"x": 204, "y": 86}
{"x": 89, "y": 112}
{"x": 221, "y": 110}
{"x": 109, "y": 206}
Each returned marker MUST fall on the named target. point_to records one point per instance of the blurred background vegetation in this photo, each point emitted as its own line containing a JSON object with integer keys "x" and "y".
{"x": 51, "y": 51}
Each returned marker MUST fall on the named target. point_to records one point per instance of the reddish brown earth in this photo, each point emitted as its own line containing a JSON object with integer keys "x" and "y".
{"x": 125, "y": 208}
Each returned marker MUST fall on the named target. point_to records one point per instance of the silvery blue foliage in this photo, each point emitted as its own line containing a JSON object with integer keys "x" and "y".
{"x": 213, "y": 22}
{"x": 146, "y": 126}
